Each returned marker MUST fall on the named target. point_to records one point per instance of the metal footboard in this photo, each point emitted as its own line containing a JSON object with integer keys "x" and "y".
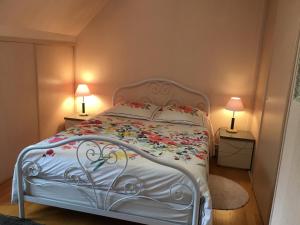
{"x": 107, "y": 153}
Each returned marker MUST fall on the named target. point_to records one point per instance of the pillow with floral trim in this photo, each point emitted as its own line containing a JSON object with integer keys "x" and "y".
{"x": 139, "y": 110}
{"x": 181, "y": 114}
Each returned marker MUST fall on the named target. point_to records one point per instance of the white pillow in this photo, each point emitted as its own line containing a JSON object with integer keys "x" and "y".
{"x": 181, "y": 114}
{"x": 139, "y": 110}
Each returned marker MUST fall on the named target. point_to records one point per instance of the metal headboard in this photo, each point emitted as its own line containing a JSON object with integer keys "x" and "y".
{"x": 162, "y": 92}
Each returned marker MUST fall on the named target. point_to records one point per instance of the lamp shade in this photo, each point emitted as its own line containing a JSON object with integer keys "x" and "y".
{"x": 235, "y": 104}
{"x": 82, "y": 90}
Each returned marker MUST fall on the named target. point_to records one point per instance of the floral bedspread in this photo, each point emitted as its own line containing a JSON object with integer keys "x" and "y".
{"x": 186, "y": 145}
{"x": 180, "y": 142}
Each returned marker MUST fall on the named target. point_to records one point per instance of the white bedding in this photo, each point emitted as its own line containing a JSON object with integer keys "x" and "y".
{"x": 183, "y": 144}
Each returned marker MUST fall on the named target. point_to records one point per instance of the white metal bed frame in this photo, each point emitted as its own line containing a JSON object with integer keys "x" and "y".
{"x": 157, "y": 91}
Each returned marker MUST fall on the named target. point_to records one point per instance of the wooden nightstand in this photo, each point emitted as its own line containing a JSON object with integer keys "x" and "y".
{"x": 235, "y": 149}
{"x": 75, "y": 119}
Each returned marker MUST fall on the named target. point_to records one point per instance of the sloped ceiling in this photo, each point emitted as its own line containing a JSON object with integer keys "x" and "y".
{"x": 55, "y": 19}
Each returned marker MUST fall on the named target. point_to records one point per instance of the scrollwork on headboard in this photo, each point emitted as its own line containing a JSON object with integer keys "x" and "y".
{"x": 162, "y": 92}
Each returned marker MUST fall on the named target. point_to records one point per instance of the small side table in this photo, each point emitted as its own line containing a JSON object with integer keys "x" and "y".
{"x": 75, "y": 119}
{"x": 235, "y": 149}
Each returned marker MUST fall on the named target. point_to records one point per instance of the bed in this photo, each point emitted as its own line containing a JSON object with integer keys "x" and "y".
{"x": 147, "y": 171}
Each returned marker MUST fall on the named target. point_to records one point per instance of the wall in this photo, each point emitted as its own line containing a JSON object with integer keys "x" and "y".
{"x": 19, "y": 110}
{"x": 286, "y": 202}
{"x": 50, "y": 20}
{"x": 55, "y": 86}
{"x": 36, "y": 91}
{"x": 211, "y": 46}
{"x": 8, "y": 32}
{"x": 264, "y": 66}
{"x": 279, "y": 67}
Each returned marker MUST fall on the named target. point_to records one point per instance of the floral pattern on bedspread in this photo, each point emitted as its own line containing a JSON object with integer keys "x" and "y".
{"x": 179, "y": 142}
{"x": 186, "y": 145}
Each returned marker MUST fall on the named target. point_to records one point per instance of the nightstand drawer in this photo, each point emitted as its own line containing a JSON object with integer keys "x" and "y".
{"x": 235, "y": 153}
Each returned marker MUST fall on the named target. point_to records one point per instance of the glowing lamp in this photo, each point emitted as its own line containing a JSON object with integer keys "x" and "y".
{"x": 82, "y": 91}
{"x": 235, "y": 104}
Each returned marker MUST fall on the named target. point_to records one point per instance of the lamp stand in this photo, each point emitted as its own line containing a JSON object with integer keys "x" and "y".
{"x": 231, "y": 129}
{"x": 83, "y": 113}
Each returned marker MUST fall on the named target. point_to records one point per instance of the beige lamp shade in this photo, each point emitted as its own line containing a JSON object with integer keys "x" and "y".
{"x": 82, "y": 90}
{"x": 235, "y": 104}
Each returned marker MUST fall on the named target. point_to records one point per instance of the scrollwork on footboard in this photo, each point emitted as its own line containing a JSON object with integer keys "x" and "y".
{"x": 108, "y": 158}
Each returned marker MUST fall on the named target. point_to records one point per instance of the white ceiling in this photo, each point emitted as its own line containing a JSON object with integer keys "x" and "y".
{"x": 62, "y": 17}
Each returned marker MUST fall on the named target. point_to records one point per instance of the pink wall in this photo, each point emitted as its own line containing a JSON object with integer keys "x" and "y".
{"x": 19, "y": 110}
{"x": 36, "y": 92}
{"x": 50, "y": 20}
{"x": 55, "y": 87}
{"x": 211, "y": 46}
{"x": 264, "y": 66}
{"x": 276, "y": 72}
{"x": 286, "y": 202}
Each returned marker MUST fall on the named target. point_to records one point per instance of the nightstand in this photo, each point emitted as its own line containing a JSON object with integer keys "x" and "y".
{"x": 75, "y": 119}
{"x": 235, "y": 149}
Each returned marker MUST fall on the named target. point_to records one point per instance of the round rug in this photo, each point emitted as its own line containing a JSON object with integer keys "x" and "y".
{"x": 226, "y": 194}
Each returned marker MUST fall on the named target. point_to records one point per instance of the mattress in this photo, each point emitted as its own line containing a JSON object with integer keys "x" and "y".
{"x": 59, "y": 172}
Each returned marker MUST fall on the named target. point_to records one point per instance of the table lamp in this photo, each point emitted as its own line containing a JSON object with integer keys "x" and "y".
{"x": 235, "y": 104}
{"x": 82, "y": 91}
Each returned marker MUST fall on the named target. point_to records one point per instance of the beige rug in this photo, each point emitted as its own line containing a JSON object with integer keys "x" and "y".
{"x": 226, "y": 194}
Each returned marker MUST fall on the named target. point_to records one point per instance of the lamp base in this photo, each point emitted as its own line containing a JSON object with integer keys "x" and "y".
{"x": 231, "y": 130}
{"x": 83, "y": 114}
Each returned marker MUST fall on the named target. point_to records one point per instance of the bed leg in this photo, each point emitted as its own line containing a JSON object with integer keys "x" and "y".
{"x": 21, "y": 209}
{"x": 20, "y": 192}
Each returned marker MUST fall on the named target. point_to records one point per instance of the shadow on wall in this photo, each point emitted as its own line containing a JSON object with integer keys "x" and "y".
{"x": 210, "y": 46}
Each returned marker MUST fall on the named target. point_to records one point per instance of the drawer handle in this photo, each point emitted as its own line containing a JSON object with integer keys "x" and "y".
{"x": 232, "y": 145}
{"x": 231, "y": 154}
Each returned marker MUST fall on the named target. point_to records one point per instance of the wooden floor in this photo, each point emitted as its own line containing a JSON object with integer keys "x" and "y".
{"x": 248, "y": 215}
